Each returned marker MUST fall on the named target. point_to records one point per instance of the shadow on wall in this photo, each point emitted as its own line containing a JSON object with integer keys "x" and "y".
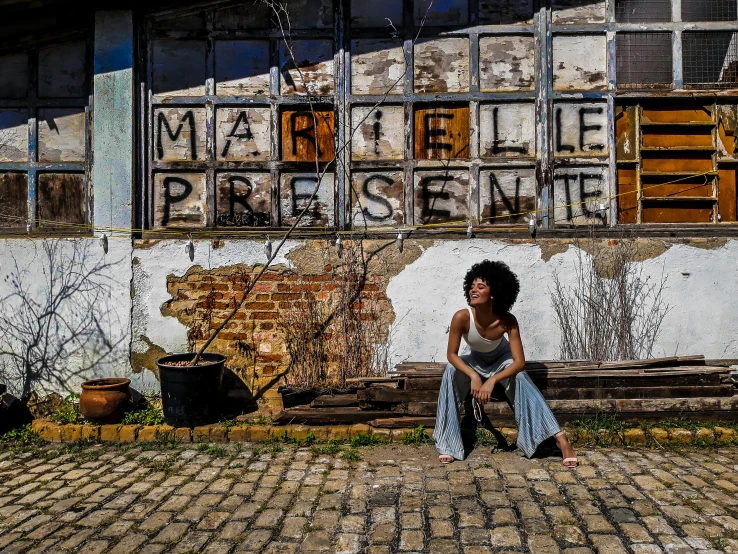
{"x": 57, "y": 325}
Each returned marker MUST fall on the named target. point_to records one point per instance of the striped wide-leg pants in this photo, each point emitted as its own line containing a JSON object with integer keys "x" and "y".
{"x": 535, "y": 421}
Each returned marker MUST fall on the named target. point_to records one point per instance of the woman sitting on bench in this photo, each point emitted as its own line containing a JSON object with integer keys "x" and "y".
{"x": 491, "y": 289}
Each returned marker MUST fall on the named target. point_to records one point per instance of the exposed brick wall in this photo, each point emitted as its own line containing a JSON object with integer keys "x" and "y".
{"x": 254, "y": 340}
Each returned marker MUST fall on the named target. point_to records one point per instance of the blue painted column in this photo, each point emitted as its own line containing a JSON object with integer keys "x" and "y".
{"x": 113, "y": 123}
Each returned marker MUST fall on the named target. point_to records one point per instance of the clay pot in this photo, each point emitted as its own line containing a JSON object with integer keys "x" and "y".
{"x": 105, "y": 400}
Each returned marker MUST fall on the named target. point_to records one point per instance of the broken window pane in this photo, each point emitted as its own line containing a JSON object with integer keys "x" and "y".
{"x": 710, "y": 59}
{"x": 709, "y": 10}
{"x": 642, "y": 11}
{"x": 643, "y": 60}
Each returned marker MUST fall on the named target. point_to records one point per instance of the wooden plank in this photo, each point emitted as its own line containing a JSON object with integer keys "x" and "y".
{"x": 338, "y": 400}
{"x": 628, "y": 199}
{"x": 396, "y": 395}
{"x": 423, "y": 383}
{"x": 402, "y": 422}
{"x": 328, "y": 416}
{"x": 639, "y": 392}
{"x": 724, "y": 362}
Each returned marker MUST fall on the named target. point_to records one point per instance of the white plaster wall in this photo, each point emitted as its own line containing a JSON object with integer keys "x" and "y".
{"x": 107, "y": 352}
{"x": 700, "y": 290}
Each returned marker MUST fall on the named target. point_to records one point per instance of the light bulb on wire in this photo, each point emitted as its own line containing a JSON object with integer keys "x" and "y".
{"x": 400, "y": 240}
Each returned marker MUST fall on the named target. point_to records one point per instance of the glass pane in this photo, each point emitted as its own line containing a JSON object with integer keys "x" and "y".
{"x": 710, "y": 59}
{"x": 642, "y": 11}
{"x": 643, "y": 60}
{"x": 709, "y": 10}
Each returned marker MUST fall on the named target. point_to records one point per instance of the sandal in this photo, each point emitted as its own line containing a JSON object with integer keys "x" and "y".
{"x": 568, "y": 462}
{"x": 445, "y": 459}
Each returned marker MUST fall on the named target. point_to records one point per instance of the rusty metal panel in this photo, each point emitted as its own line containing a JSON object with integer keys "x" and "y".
{"x": 377, "y": 67}
{"x": 580, "y": 129}
{"x": 243, "y": 133}
{"x": 625, "y": 133}
{"x": 507, "y": 191}
{"x": 179, "y": 134}
{"x": 61, "y": 197}
{"x": 242, "y": 68}
{"x": 14, "y": 76}
{"x": 13, "y": 135}
{"x": 580, "y": 62}
{"x": 442, "y": 65}
{"x": 441, "y": 131}
{"x": 314, "y": 60}
{"x": 377, "y": 133}
{"x": 441, "y": 195}
{"x": 243, "y": 199}
{"x": 507, "y": 129}
{"x": 178, "y": 67}
{"x": 13, "y": 199}
{"x": 578, "y": 192}
{"x": 298, "y": 135}
{"x": 62, "y": 70}
{"x": 440, "y": 12}
{"x": 376, "y": 14}
{"x": 576, "y": 12}
{"x": 246, "y": 15}
{"x": 377, "y": 198}
{"x": 295, "y": 191}
{"x": 505, "y": 12}
{"x": 179, "y": 200}
{"x": 506, "y": 63}
{"x": 61, "y": 135}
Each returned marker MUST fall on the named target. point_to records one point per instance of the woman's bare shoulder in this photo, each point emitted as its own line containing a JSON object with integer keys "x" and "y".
{"x": 461, "y": 318}
{"x": 509, "y": 321}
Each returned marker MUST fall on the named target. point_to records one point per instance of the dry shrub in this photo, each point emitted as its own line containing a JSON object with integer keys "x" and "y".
{"x": 343, "y": 337}
{"x": 612, "y": 310}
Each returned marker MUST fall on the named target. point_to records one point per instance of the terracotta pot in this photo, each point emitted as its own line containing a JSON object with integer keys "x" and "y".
{"x": 105, "y": 400}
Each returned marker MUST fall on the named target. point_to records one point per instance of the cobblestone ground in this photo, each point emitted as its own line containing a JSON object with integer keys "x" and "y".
{"x": 251, "y": 498}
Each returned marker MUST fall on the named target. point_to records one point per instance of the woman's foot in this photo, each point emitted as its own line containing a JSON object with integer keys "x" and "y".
{"x": 445, "y": 459}
{"x": 570, "y": 457}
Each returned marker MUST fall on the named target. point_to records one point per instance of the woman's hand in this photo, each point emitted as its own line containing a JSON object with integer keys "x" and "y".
{"x": 476, "y": 387}
{"x": 485, "y": 392}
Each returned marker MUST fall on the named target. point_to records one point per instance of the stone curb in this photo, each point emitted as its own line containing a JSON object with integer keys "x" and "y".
{"x": 68, "y": 433}
{"x": 71, "y": 432}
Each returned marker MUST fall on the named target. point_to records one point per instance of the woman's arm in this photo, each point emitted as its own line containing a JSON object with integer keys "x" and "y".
{"x": 518, "y": 365}
{"x": 459, "y": 324}
{"x": 516, "y": 347}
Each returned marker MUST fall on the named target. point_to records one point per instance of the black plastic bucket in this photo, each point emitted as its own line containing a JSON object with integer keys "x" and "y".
{"x": 190, "y": 394}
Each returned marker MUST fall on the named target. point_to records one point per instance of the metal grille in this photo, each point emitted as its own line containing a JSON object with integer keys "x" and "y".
{"x": 642, "y": 11}
{"x": 710, "y": 59}
{"x": 709, "y": 10}
{"x": 643, "y": 60}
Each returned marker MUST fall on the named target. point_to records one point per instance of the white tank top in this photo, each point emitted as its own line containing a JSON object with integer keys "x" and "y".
{"x": 475, "y": 340}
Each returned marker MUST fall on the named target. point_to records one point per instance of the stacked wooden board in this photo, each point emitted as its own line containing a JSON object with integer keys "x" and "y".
{"x": 640, "y": 389}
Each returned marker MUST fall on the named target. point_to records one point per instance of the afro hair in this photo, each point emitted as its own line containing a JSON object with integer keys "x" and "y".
{"x": 503, "y": 283}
